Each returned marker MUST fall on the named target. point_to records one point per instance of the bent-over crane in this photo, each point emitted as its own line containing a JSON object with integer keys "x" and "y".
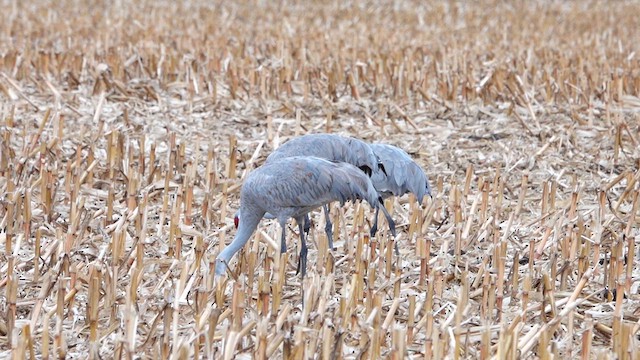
{"x": 403, "y": 175}
{"x": 290, "y": 188}
{"x": 334, "y": 148}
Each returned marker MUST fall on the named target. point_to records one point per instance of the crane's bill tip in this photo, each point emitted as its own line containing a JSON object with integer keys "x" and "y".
{"x": 218, "y": 279}
{"x": 223, "y": 269}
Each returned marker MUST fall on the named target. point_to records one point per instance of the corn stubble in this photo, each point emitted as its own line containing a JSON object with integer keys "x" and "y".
{"x": 126, "y": 133}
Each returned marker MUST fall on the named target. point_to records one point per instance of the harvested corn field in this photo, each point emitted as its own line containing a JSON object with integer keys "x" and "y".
{"x": 127, "y": 129}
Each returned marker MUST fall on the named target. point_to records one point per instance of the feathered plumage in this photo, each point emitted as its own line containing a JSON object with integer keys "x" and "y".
{"x": 403, "y": 175}
{"x": 334, "y": 148}
{"x": 331, "y": 147}
{"x": 290, "y": 188}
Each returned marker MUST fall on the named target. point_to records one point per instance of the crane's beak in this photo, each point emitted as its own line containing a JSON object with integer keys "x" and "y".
{"x": 236, "y": 221}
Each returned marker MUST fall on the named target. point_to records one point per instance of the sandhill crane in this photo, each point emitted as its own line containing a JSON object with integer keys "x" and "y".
{"x": 403, "y": 175}
{"x": 331, "y": 147}
{"x": 334, "y": 148}
{"x": 290, "y": 188}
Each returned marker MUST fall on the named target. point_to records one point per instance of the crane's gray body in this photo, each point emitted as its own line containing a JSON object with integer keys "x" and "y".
{"x": 295, "y": 185}
{"x": 290, "y": 188}
{"x": 331, "y": 147}
{"x": 334, "y": 148}
{"x": 403, "y": 175}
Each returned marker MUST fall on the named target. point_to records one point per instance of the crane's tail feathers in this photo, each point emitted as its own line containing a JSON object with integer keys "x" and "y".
{"x": 367, "y": 170}
{"x": 381, "y": 168}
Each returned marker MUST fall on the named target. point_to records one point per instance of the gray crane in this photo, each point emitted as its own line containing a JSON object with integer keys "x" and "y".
{"x": 334, "y": 148}
{"x": 403, "y": 175}
{"x": 290, "y": 188}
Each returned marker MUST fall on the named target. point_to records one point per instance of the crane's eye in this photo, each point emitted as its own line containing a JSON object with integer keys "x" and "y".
{"x": 236, "y": 221}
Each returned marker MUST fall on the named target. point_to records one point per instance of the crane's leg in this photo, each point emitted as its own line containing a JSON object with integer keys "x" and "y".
{"x": 374, "y": 227}
{"x": 307, "y": 224}
{"x": 328, "y": 226}
{"x": 283, "y": 240}
{"x": 302, "y": 261}
{"x": 392, "y": 224}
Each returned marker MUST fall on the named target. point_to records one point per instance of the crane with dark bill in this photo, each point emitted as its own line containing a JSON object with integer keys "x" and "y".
{"x": 290, "y": 188}
{"x": 332, "y": 147}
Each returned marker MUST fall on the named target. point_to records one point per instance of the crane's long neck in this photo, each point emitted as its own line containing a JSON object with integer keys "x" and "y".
{"x": 248, "y": 223}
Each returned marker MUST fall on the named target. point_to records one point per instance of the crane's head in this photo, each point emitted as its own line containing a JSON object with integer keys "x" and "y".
{"x": 236, "y": 219}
